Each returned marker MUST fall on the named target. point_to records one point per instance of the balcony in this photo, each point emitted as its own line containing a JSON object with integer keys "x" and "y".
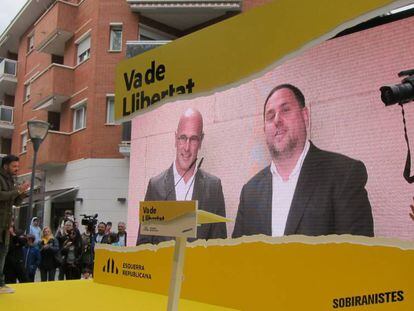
{"x": 8, "y": 79}
{"x": 55, "y": 28}
{"x": 6, "y": 121}
{"x": 125, "y": 148}
{"x": 52, "y": 87}
{"x": 54, "y": 151}
{"x": 135, "y": 48}
{"x": 182, "y": 15}
{"x": 125, "y": 145}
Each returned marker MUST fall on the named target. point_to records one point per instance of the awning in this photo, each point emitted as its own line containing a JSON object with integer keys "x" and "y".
{"x": 184, "y": 14}
{"x": 68, "y": 193}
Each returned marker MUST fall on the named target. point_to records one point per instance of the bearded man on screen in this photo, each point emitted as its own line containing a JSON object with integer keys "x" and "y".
{"x": 304, "y": 190}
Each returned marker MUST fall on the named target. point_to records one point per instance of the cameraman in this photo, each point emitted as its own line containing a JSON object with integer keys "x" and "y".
{"x": 88, "y": 246}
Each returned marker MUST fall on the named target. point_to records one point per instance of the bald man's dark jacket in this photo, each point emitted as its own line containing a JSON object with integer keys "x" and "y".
{"x": 207, "y": 190}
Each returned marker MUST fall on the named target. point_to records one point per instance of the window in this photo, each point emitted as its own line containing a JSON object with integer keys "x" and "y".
{"x": 57, "y": 59}
{"x": 24, "y": 142}
{"x": 5, "y": 146}
{"x": 126, "y": 131}
{"x": 6, "y": 114}
{"x": 26, "y": 92}
{"x": 54, "y": 120}
{"x": 115, "y": 41}
{"x": 84, "y": 49}
{"x": 79, "y": 118}
{"x": 30, "y": 43}
{"x": 147, "y": 33}
{"x": 110, "y": 109}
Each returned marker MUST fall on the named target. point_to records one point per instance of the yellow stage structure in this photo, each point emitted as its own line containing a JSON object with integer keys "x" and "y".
{"x": 88, "y": 295}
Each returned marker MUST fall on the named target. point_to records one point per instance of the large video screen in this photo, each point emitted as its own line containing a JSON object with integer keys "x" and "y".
{"x": 334, "y": 166}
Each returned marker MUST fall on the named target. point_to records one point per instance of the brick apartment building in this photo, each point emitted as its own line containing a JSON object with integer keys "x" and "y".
{"x": 57, "y": 64}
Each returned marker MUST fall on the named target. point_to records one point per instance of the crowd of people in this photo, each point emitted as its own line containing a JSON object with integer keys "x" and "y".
{"x": 68, "y": 251}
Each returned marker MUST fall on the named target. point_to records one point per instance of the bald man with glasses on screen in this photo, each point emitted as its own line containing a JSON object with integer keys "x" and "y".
{"x": 183, "y": 181}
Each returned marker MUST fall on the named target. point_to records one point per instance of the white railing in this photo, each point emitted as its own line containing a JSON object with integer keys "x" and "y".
{"x": 8, "y": 67}
{"x": 138, "y": 47}
{"x": 6, "y": 114}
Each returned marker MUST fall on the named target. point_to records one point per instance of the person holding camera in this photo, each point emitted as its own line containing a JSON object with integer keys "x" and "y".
{"x": 88, "y": 246}
{"x": 70, "y": 252}
{"x": 68, "y": 215}
{"x": 49, "y": 248}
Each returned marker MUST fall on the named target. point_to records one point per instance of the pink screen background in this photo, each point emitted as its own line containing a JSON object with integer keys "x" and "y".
{"x": 340, "y": 79}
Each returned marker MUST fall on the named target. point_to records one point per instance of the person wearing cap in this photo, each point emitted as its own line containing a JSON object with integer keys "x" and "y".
{"x": 35, "y": 230}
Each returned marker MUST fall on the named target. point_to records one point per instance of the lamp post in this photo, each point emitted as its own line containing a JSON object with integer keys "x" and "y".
{"x": 37, "y": 133}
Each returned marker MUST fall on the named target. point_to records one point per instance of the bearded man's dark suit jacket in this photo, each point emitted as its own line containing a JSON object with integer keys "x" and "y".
{"x": 330, "y": 198}
{"x": 208, "y": 192}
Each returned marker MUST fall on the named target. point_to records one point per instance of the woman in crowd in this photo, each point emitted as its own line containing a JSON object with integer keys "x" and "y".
{"x": 49, "y": 248}
{"x": 88, "y": 245}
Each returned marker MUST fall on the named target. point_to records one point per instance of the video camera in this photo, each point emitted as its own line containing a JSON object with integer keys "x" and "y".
{"x": 399, "y": 93}
{"x": 89, "y": 221}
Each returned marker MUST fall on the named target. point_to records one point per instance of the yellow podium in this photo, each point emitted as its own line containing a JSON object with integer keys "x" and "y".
{"x": 177, "y": 219}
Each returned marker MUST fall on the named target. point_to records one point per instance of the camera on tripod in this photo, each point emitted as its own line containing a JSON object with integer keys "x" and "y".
{"x": 399, "y": 93}
{"x": 89, "y": 220}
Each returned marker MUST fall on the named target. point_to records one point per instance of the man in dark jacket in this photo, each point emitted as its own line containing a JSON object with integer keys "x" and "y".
{"x": 10, "y": 194}
{"x": 101, "y": 236}
{"x": 14, "y": 269}
{"x": 305, "y": 190}
{"x": 122, "y": 234}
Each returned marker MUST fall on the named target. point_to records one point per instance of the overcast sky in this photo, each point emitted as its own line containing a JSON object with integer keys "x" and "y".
{"x": 9, "y": 9}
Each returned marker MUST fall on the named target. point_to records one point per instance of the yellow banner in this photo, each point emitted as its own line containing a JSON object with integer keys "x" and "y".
{"x": 237, "y": 48}
{"x": 136, "y": 270}
{"x": 168, "y": 218}
{"x": 165, "y": 211}
{"x": 264, "y": 273}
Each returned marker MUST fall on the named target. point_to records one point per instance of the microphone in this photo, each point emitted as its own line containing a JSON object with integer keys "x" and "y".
{"x": 189, "y": 168}
{"x": 199, "y": 164}
{"x": 198, "y": 167}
